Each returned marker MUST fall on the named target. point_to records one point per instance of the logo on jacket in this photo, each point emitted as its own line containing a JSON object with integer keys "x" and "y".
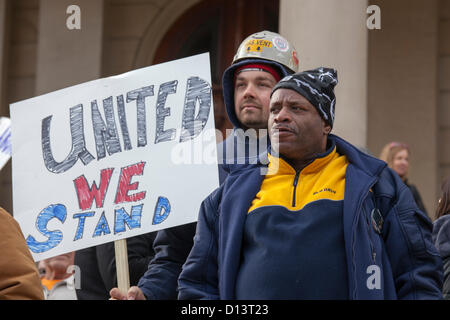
{"x": 324, "y": 190}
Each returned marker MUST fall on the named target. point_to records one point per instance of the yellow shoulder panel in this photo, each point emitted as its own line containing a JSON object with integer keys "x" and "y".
{"x": 322, "y": 179}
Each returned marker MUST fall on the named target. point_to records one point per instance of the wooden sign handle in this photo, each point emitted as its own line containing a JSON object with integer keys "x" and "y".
{"x": 123, "y": 274}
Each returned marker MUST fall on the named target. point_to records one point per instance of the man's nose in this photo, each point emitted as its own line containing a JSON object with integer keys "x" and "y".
{"x": 249, "y": 91}
{"x": 283, "y": 115}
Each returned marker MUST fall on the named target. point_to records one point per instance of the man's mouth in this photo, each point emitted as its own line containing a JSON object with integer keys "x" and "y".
{"x": 282, "y": 131}
{"x": 249, "y": 107}
{"x": 282, "y": 128}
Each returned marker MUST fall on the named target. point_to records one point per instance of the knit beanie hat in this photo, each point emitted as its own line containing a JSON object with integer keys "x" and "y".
{"x": 317, "y": 86}
{"x": 258, "y": 67}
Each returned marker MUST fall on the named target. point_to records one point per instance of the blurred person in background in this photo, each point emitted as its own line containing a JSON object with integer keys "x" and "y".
{"x": 57, "y": 282}
{"x": 19, "y": 277}
{"x": 396, "y": 155}
{"x": 441, "y": 234}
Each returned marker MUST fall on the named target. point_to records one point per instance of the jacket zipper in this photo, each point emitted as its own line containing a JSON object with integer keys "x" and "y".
{"x": 295, "y": 187}
{"x": 369, "y": 234}
{"x": 353, "y": 238}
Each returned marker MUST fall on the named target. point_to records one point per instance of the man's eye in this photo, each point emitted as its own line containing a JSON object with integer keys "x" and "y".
{"x": 266, "y": 85}
{"x": 298, "y": 108}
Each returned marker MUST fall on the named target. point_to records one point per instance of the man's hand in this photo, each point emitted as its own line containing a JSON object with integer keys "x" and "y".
{"x": 134, "y": 293}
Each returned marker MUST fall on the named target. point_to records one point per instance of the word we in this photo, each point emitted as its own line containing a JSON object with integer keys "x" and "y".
{"x": 87, "y": 195}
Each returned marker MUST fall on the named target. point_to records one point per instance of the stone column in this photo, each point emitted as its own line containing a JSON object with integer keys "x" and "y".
{"x": 68, "y": 56}
{"x": 333, "y": 33}
{"x": 404, "y": 87}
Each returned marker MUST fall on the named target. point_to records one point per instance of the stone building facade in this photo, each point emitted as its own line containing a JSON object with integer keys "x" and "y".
{"x": 394, "y": 82}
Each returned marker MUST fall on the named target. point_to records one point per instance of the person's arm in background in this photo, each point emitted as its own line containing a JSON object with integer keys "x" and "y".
{"x": 446, "y": 286}
{"x": 19, "y": 277}
{"x": 418, "y": 199}
{"x": 441, "y": 239}
{"x": 172, "y": 247}
{"x": 199, "y": 277}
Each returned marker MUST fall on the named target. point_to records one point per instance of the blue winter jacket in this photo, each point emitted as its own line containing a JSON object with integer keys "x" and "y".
{"x": 410, "y": 265}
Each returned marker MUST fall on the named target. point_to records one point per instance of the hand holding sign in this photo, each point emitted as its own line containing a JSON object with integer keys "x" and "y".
{"x": 134, "y": 293}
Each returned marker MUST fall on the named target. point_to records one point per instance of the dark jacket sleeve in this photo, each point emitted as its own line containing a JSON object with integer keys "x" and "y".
{"x": 441, "y": 238}
{"x": 446, "y": 287}
{"x": 199, "y": 277}
{"x": 140, "y": 252}
{"x": 172, "y": 246}
{"x": 416, "y": 264}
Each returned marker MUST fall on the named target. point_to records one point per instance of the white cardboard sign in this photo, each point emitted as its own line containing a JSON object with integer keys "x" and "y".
{"x": 5, "y": 141}
{"x": 94, "y": 163}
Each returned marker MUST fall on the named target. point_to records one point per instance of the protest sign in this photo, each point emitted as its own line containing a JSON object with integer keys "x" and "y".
{"x": 93, "y": 163}
{"x": 5, "y": 141}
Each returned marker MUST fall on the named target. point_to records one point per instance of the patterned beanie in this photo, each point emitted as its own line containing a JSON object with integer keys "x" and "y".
{"x": 317, "y": 86}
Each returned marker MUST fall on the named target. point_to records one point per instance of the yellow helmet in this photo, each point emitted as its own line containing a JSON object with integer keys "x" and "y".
{"x": 268, "y": 46}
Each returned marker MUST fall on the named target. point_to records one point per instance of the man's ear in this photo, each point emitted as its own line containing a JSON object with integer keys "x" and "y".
{"x": 326, "y": 128}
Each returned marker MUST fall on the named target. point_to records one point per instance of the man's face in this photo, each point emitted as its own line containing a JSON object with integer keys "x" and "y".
{"x": 297, "y": 126}
{"x": 251, "y": 98}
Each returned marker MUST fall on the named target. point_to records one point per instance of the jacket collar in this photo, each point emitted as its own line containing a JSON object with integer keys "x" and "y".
{"x": 280, "y": 165}
{"x": 370, "y": 165}
{"x": 367, "y": 163}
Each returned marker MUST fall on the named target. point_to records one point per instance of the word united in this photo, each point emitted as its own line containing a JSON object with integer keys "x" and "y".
{"x": 106, "y": 135}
